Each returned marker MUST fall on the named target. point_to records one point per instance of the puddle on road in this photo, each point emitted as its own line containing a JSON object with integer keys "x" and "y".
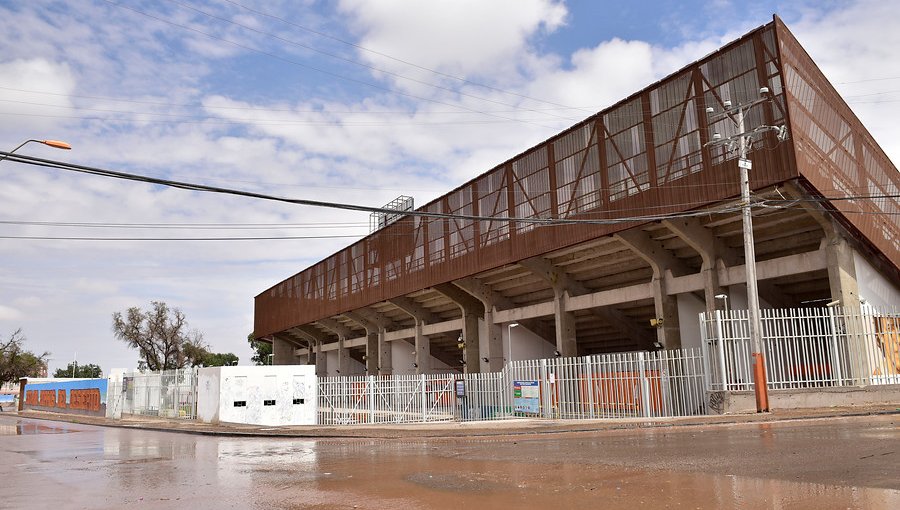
{"x": 27, "y": 429}
{"x": 486, "y": 485}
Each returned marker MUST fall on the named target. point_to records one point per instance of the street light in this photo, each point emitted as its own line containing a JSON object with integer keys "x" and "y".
{"x": 50, "y": 143}
{"x": 271, "y": 356}
{"x": 723, "y": 297}
{"x": 509, "y": 339}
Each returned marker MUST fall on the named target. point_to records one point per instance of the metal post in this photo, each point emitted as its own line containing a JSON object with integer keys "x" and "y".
{"x": 424, "y": 405}
{"x": 645, "y": 385}
{"x": 835, "y": 359}
{"x": 720, "y": 344}
{"x": 759, "y": 364}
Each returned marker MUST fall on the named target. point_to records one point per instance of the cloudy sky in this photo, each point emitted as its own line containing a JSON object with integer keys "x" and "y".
{"x": 354, "y": 101}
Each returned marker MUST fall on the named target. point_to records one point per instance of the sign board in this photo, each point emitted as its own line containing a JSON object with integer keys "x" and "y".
{"x": 745, "y": 163}
{"x": 527, "y": 397}
{"x": 460, "y": 388}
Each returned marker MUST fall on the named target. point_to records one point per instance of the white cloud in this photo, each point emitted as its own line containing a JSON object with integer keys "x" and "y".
{"x": 8, "y": 313}
{"x": 33, "y": 112}
{"x": 463, "y": 38}
{"x": 339, "y": 146}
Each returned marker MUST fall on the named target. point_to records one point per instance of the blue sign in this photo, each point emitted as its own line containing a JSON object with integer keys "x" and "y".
{"x": 527, "y": 397}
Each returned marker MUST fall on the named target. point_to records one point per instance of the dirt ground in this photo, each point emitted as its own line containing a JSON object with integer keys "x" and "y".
{"x": 827, "y": 463}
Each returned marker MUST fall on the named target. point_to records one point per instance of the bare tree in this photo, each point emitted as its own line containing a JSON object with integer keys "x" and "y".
{"x": 160, "y": 334}
{"x": 16, "y": 362}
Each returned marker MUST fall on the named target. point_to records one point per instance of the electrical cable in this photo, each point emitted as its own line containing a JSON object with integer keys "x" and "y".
{"x": 60, "y": 165}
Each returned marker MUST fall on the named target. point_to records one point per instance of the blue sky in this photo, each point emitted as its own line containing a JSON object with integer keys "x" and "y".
{"x": 354, "y": 101}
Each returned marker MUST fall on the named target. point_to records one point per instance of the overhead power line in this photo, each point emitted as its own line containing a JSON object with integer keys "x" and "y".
{"x": 60, "y": 165}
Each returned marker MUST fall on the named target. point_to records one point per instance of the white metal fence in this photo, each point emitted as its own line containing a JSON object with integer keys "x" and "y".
{"x": 808, "y": 347}
{"x": 634, "y": 384}
{"x": 168, "y": 394}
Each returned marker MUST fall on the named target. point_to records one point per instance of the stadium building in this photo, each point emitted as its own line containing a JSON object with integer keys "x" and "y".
{"x": 616, "y": 233}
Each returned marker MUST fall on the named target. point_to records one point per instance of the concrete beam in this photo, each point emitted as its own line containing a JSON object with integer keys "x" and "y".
{"x": 415, "y": 310}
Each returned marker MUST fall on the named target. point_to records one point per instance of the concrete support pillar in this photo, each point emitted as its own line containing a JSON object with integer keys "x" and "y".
{"x": 842, "y": 272}
{"x": 471, "y": 340}
{"x": 566, "y": 342}
{"x": 385, "y": 356}
{"x": 668, "y": 334}
{"x": 283, "y": 352}
{"x": 310, "y": 354}
{"x": 423, "y": 351}
{"x": 321, "y": 360}
{"x": 343, "y": 357}
{"x": 494, "y": 346}
{"x": 372, "y": 353}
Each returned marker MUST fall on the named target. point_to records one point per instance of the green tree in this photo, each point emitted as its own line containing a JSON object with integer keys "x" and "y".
{"x": 86, "y": 371}
{"x": 16, "y": 362}
{"x": 198, "y": 354}
{"x": 261, "y": 350}
{"x": 160, "y": 335}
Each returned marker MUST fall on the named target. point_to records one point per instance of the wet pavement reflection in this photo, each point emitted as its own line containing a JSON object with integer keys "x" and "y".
{"x": 837, "y": 463}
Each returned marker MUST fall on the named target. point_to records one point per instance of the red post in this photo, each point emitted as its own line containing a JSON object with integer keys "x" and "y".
{"x": 760, "y": 384}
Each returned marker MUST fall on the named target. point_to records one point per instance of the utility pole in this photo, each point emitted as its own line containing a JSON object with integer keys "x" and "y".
{"x": 744, "y": 139}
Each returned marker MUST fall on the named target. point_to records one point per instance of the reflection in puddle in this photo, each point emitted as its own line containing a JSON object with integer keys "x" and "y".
{"x": 28, "y": 428}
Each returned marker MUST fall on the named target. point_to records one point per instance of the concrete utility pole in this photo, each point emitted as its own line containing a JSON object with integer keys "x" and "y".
{"x": 744, "y": 164}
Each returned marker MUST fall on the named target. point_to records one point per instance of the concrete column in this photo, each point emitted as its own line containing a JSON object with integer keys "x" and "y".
{"x": 372, "y": 353}
{"x": 343, "y": 357}
{"x": 842, "y": 272}
{"x": 566, "y": 342}
{"x": 494, "y": 343}
{"x": 471, "y": 352}
{"x": 385, "y": 356}
{"x": 423, "y": 351}
{"x": 669, "y": 333}
{"x": 321, "y": 360}
{"x": 311, "y": 354}
{"x": 283, "y": 352}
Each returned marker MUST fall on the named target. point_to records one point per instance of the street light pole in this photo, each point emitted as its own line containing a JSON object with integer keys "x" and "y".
{"x": 50, "y": 143}
{"x": 509, "y": 339}
{"x": 744, "y": 164}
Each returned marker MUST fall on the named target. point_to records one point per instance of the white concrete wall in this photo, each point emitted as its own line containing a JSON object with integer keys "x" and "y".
{"x": 219, "y": 388}
{"x": 356, "y": 368}
{"x": 525, "y": 344}
{"x": 874, "y": 288}
{"x": 689, "y": 309}
{"x": 403, "y": 356}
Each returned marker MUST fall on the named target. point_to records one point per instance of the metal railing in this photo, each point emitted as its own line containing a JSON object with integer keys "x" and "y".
{"x": 632, "y": 384}
{"x": 167, "y": 394}
{"x": 621, "y": 385}
{"x": 803, "y": 348}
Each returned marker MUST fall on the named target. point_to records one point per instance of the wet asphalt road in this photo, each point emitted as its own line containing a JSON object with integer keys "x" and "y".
{"x": 833, "y": 463}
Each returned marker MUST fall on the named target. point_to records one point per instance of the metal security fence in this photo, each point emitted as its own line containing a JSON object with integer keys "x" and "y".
{"x": 167, "y": 394}
{"x": 634, "y": 384}
{"x": 628, "y": 384}
{"x": 803, "y": 348}
{"x": 386, "y": 399}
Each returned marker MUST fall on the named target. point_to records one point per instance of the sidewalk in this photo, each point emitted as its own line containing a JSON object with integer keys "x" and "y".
{"x": 455, "y": 429}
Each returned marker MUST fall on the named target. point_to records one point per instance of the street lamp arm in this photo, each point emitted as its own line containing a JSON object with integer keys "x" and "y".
{"x": 57, "y": 144}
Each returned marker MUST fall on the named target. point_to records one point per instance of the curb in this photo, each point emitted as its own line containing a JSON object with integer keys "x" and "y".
{"x": 438, "y": 432}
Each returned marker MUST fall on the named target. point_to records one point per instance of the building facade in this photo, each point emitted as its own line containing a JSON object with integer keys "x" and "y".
{"x": 614, "y": 234}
